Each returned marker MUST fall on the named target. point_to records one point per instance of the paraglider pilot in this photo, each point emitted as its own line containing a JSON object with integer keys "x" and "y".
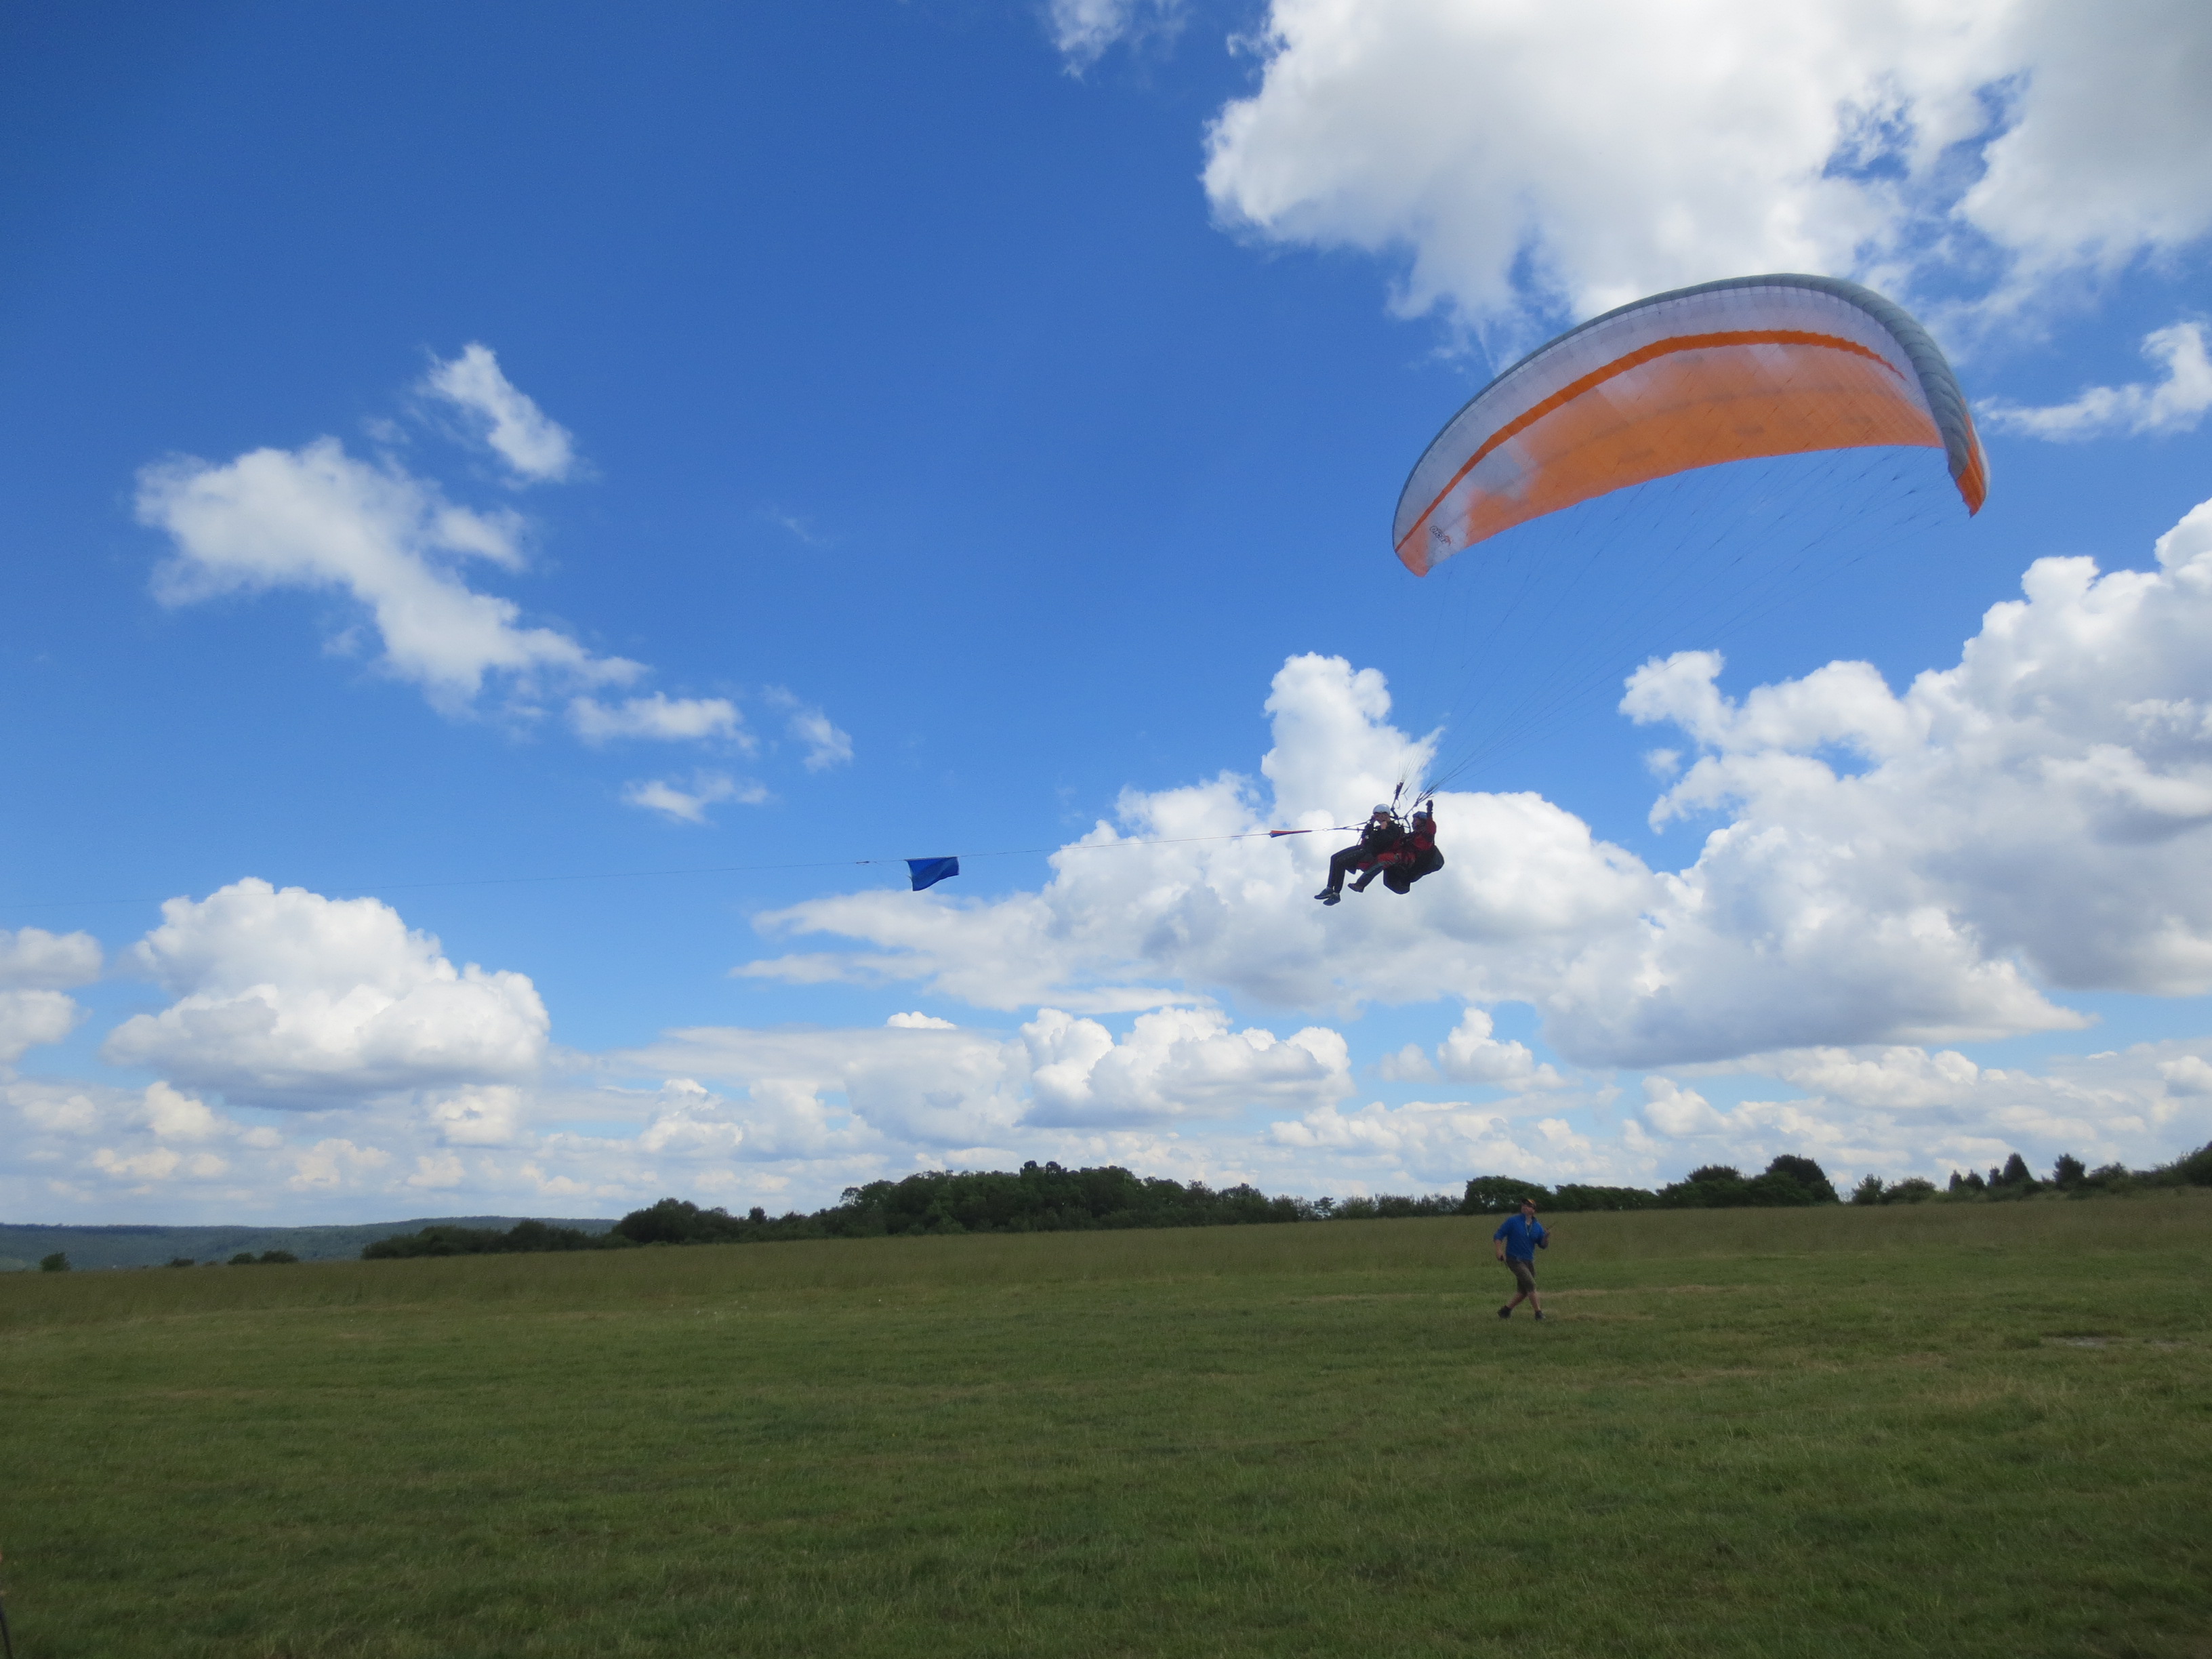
{"x": 1381, "y": 834}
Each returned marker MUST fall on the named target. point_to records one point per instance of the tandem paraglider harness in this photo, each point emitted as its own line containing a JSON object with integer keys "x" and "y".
{"x": 1414, "y": 855}
{"x": 1400, "y": 851}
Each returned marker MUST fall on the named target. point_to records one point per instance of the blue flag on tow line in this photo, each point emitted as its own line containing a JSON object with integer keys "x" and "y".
{"x": 928, "y": 871}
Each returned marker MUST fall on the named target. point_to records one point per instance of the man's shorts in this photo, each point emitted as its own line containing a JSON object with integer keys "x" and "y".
{"x": 1524, "y": 1273}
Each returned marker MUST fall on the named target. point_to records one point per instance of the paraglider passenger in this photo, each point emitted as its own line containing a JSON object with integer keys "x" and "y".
{"x": 1381, "y": 834}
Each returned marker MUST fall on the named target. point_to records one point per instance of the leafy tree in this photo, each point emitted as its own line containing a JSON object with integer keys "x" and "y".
{"x": 1868, "y": 1191}
{"x": 671, "y": 1221}
{"x": 1804, "y": 1174}
{"x": 2068, "y": 1173}
{"x": 1913, "y": 1189}
{"x": 2196, "y": 1170}
{"x": 182, "y": 1261}
{"x": 1500, "y": 1195}
{"x": 56, "y": 1263}
{"x": 1046, "y": 1197}
{"x": 1710, "y": 1187}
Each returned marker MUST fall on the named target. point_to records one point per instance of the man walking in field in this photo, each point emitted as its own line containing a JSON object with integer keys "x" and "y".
{"x": 1517, "y": 1241}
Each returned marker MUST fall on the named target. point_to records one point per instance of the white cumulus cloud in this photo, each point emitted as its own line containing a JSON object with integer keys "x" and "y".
{"x": 1166, "y": 895}
{"x": 1906, "y": 1109}
{"x": 1473, "y": 1053}
{"x": 32, "y": 959}
{"x": 28, "y": 1019}
{"x": 926, "y": 1086}
{"x": 173, "y": 1115}
{"x": 1175, "y": 1061}
{"x": 1921, "y": 867}
{"x": 316, "y": 518}
{"x": 1673, "y": 1110}
{"x": 2045, "y": 803}
{"x": 1569, "y": 157}
{"x": 288, "y": 998}
{"x": 481, "y": 1114}
{"x": 919, "y": 1080}
{"x": 335, "y": 1164}
{"x": 1440, "y": 1144}
{"x": 538, "y": 449}
{"x": 2176, "y": 402}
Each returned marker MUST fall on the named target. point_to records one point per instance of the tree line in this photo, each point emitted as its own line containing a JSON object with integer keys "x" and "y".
{"x": 2069, "y": 1177}
{"x": 1045, "y": 1198}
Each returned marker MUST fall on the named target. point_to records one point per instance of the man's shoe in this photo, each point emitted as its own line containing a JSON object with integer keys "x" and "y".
{"x": 1327, "y": 897}
{"x": 1506, "y": 1312}
{"x": 1539, "y": 1313}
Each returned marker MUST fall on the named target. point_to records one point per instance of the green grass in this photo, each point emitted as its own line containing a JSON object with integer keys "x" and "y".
{"x": 1941, "y": 1430}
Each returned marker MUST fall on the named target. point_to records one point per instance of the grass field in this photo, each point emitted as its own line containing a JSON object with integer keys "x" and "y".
{"x": 1917, "y": 1430}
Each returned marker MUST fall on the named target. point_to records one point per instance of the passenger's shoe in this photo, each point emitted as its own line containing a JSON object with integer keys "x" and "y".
{"x": 1327, "y": 897}
{"x": 1506, "y": 1312}
{"x": 1539, "y": 1313}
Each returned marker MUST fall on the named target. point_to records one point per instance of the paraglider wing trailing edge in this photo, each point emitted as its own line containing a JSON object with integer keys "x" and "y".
{"x": 1726, "y": 371}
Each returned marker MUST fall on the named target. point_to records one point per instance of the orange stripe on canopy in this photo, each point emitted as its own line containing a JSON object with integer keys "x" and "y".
{"x": 1636, "y": 359}
{"x": 1741, "y": 369}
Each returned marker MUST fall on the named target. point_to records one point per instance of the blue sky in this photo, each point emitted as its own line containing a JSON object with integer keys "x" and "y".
{"x": 780, "y": 437}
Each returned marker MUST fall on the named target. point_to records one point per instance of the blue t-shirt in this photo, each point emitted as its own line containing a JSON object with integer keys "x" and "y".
{"x": 1522, "y": 1237}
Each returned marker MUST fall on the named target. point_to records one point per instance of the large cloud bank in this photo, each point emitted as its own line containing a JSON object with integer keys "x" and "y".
{"x": 1574, "y": 155}
{"x": 1891, "y": 867}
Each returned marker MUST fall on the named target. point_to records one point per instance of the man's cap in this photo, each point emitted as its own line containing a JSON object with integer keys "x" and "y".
{"x": 1383, "y": 812}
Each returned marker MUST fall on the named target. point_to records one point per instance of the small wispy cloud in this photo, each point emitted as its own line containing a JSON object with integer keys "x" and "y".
{"x": 665, "y": 719}
{"x": 687, "y": 801}
{"x": 538, "y": 449}
{"x": 1083, "y": 30}
{"x": 2173, "y": 403}
{"x": 801, "y": 529}
{"x": 826, "y": 745}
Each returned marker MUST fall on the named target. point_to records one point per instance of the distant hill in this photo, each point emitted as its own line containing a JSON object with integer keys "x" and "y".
{"x": 22, "y": 1246}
